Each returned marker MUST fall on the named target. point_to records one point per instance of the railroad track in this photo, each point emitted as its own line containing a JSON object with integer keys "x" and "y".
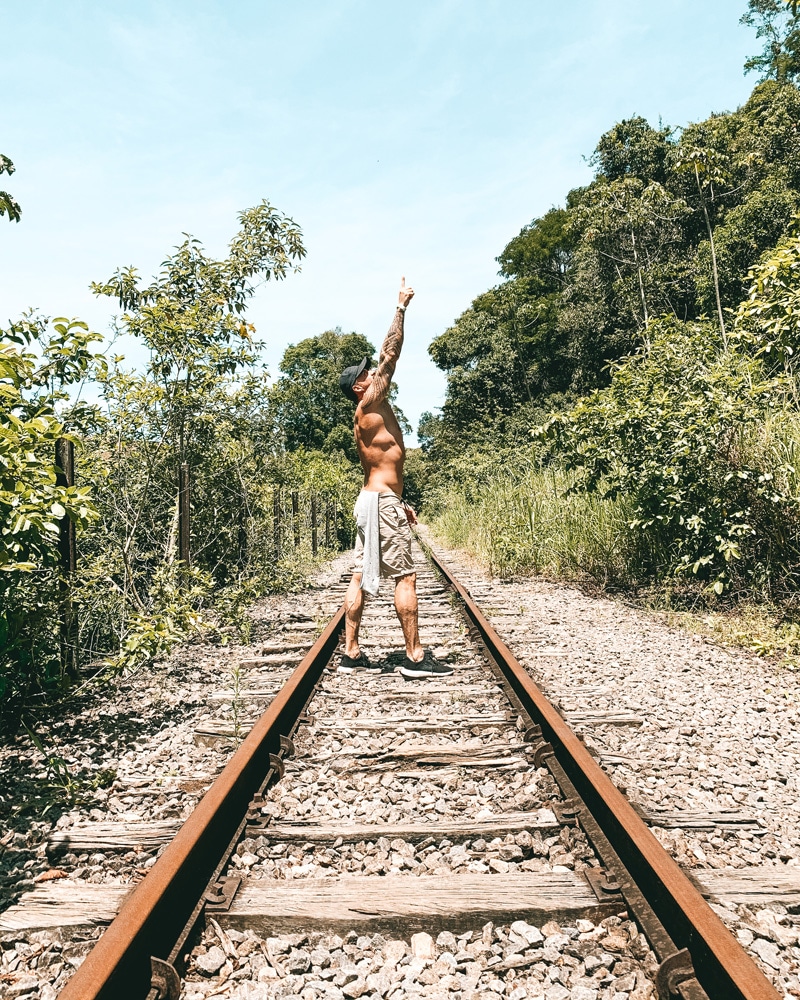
{"x": 463, "y": 808}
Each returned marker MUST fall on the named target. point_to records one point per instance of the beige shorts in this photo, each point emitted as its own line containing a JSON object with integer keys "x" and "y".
{"x": 395, "y": 539}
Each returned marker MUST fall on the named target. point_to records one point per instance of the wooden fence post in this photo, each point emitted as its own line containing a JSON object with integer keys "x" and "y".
{"x": 276, "y": 521}
{"x": 313, "y": 524}
{"x": 184, "y": 518}
{"x": 328, "y": 506}
{"x": 296, "y": 517}
{"x": 68, "y": 560}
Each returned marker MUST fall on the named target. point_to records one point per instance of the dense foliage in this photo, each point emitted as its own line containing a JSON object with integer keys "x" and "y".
{"x": 676, "y": 432}
{"x": 776, "y": 21}
{"x": 32, "y": 503}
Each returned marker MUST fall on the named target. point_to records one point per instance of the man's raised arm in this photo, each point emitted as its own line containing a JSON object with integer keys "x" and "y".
{"x": 390, "y": 351}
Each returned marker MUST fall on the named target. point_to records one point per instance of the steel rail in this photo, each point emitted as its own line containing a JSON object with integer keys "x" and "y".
{"x": 722, "y": 967}
{"x": 153, "y": 917}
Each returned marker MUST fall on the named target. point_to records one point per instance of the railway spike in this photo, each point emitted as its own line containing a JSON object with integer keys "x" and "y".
{"x": 610, "y": 883}
{"x": 569, "y": 811}
{"x": 223, "y": 897}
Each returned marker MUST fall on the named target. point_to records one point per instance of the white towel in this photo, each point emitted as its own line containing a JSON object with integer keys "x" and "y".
{"x": 368, "y": 521}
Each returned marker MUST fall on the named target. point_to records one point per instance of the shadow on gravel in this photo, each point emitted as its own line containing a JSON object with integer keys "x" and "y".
{"x": 54, "y": 765}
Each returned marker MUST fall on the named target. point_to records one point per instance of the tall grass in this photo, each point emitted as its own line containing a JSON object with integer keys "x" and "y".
{"x": 774, "y": 446}
{"x": 517, "y": 517}
{"x": 531, "y": 522}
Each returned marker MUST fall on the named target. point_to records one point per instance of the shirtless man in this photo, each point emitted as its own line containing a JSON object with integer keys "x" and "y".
{"x": 383, "y": 546}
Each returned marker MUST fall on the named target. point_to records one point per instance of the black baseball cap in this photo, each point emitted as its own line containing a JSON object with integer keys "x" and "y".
{"x": 349, "y": 377}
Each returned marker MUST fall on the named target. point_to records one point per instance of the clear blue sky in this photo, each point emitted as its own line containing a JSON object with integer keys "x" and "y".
{"x": 411, "y": 139}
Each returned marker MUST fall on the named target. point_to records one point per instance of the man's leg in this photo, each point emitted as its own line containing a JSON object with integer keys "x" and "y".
{"x": 405, "y": 603}
{"x": 353, "y": 609}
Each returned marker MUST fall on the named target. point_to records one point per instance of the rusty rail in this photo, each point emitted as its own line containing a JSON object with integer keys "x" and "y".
{"x": 703, "y": 947}
{"x": 136, "y": 956}
{"x": 137, "y": 948}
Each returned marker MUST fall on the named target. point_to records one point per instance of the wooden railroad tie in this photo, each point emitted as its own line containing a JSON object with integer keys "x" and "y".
{"x": 149, "y": 836}
{"x": 399, "y": 903}
{"x": 133, "y": 836}
{"x": 210, "y": 732}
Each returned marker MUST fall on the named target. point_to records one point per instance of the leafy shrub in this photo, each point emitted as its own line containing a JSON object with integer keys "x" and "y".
{"x": 767, "y": 321}
{"x": 673, "y": 433}
{"x": 32, "y": 503}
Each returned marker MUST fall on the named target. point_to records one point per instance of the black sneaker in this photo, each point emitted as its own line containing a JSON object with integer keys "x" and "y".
{"x": 358, "y": 664}
{"x": 428, "y": 666}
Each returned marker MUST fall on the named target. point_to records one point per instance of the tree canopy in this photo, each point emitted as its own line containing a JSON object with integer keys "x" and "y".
{"x": 670, "y": 225}
{"x": 649, "y": 328}
{"x": 308, "y": 408}
{"x": 778, "y": 23}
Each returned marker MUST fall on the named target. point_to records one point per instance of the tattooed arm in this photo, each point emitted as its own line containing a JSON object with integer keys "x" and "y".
{"x": 378, "y": 389}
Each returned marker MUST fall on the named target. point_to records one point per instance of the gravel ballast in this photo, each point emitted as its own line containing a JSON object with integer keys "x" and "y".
{"x": 725, "y": 741}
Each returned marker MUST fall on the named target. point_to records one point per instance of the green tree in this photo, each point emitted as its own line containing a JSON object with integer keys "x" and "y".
{"x": 747, "y": 208}
{"x": 541, "y": 253}
{"x": 8, "y": 205}
{"x": 756, "y": 223}
{"x": 189, "y": 316}
{"x": 198, "y": 400}
{"x": 636, "y": 231}
{"x": 711, "y": 175}
{"x": 633, "y": 148}
{"x": 670, "y": 225}
{"x": 778, "y": 23}
{"x": 502, "y": 356}
{"x": 309, "y": 409}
